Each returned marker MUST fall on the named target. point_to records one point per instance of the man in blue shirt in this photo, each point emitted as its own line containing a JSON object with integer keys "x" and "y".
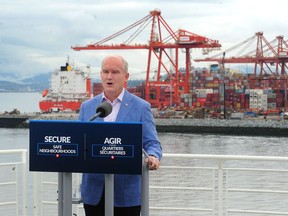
{"x": 126, "y": 108}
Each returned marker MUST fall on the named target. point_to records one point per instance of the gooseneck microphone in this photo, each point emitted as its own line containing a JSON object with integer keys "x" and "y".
{"x": 102, "y": 110}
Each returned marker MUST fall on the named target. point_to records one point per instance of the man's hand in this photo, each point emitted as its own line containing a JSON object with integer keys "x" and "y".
{"x": 153, "y": 162}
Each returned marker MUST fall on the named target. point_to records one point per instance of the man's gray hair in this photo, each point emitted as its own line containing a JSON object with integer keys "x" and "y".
{"x": 125, "y": 63}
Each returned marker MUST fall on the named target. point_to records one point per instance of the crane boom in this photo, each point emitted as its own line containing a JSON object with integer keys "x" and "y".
{"x": 161, "y": 37}
{"x": 264, "y": 54}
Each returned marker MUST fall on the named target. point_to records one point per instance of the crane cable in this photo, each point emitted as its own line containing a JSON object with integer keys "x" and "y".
{"x": 123, "y": 30}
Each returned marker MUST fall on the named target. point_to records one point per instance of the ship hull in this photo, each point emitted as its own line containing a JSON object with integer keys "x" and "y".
{"x": 57, "y": 106}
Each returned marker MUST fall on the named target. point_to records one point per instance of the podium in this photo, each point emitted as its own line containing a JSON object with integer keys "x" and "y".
{"x": 85, "y": 147}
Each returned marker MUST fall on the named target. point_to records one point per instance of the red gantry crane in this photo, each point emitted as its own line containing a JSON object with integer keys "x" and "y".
{"x": 269, "y": 58}
{"x": 162, "y": 39}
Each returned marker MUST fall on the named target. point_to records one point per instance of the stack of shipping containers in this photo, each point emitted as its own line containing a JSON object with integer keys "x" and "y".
{"x": 213, "y": 91}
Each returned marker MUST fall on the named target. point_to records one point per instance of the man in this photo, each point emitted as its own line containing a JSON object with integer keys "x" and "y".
{"x": 126, "y": 108}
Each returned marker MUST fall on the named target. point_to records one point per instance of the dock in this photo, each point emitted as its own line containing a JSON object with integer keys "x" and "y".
{"x": 242, "y": 127}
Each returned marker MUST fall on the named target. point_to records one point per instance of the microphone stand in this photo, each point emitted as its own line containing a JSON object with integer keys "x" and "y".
{"x": 95, "y": 116}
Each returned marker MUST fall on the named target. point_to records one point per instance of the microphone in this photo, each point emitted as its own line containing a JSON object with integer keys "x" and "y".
{"x": 102, "y": 110}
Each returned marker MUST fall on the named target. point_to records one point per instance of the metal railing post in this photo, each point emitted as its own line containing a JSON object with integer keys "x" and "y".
{"x": 35, "y": 194}
{"x": 24, "y": 182}
{"x": 220, "y": 188}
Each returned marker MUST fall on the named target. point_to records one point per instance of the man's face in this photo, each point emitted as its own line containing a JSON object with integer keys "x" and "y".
{"x": 113, "y": 77}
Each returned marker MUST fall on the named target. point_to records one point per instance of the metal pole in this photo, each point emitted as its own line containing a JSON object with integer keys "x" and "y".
{"x": 35, "y": 195}
{"x": 145, "y": 190}
{"x": 64, "y": 194}
{"x": 220, "y": 188}
{"x": 285, "y": 86}
{"x": 60, "y": 194}
{"x": 67, "y": 194}
{"x": 224, "y": 95}
{"x": 24, "y": 183}
{"x": 109, "y": 194}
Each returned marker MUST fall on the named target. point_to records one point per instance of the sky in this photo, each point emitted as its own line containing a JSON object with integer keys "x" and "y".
{"x": 36, "y": 36}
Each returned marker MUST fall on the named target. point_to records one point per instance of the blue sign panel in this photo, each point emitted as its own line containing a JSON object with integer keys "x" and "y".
{"x": 85, "y": 147}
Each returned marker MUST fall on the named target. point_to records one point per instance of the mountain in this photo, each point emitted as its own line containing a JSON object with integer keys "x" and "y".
{"x": 8, "y": 86}
{"x": 41, "y": 78}
{"x": 36, "y": 83}
{"x": 40, "y": 82}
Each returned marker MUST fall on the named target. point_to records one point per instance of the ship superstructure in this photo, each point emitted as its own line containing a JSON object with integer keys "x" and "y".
{"x": 69, "y": 87}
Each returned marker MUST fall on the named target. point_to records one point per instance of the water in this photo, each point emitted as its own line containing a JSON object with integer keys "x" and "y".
{"x": 223, "y": 145}
{"x": 25, "y": 102}
{"x": 183, "y": 143}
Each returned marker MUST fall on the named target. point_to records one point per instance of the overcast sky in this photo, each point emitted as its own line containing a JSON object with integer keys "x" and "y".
{"x": 36, "y": 36}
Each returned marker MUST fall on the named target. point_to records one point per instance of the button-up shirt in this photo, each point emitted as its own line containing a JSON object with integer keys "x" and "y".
{"x": 116, "y": 106}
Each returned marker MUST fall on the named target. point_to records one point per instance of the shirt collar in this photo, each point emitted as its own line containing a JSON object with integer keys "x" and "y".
{"x": 119, "y": 98}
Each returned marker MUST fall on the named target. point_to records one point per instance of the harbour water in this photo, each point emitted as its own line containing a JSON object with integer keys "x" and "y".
{"x": 183, "y": 143}
{"x": 25, "y": 102}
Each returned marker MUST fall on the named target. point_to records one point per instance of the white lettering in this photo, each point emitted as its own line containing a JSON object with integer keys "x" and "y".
{"x": 57, "y": 139}
{"x": 104, "y": 152}
{"x": 112, "y": 140}
{"x": 58, "y": 151}
{"x": 116, "y": 148}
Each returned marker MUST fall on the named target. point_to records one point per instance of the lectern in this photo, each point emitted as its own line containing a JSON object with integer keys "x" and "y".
{"x": 85, "y": 147}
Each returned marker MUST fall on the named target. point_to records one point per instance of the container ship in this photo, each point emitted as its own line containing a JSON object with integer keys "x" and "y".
{"x": 69, "y": 87}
